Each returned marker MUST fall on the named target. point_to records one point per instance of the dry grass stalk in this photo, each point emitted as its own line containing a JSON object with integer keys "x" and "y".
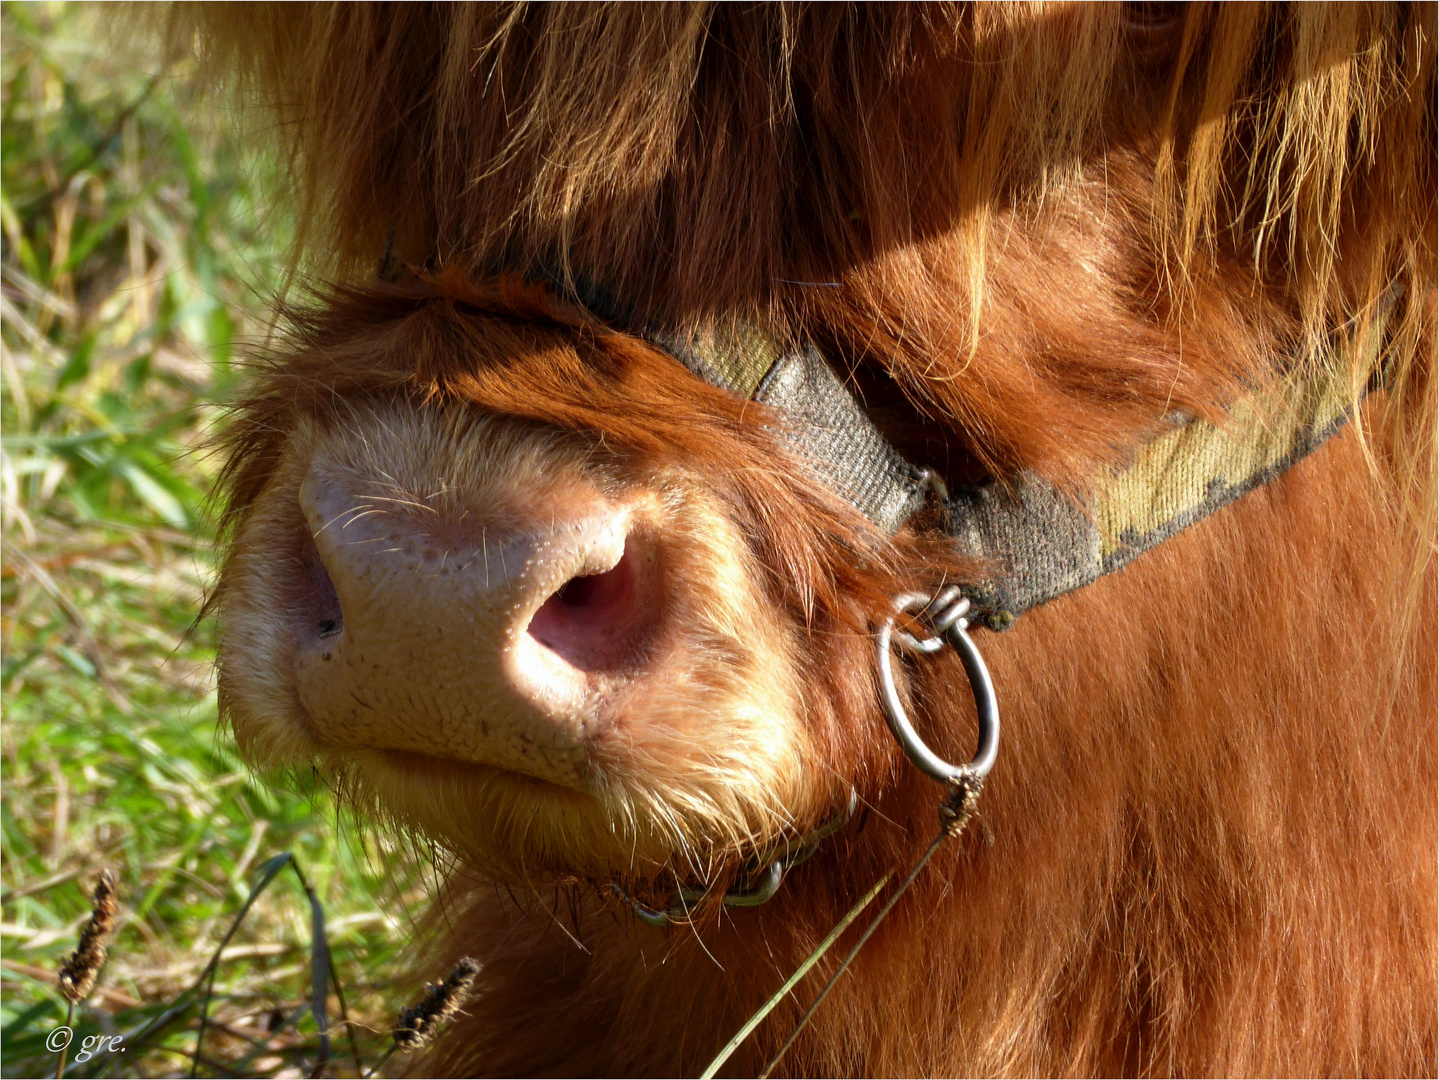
{"x": 79, "y": 971}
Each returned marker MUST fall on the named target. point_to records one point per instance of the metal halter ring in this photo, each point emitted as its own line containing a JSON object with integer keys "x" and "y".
{"x": 946, "y": 614}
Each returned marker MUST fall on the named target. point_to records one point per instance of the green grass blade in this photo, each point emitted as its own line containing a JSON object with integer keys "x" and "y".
{"x": 266, "y": 875}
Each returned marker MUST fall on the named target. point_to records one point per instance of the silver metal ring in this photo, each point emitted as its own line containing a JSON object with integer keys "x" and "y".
{"x": 947, "y": 607}
{"x": 763, "y": 886}
{"x": 767, "y": 886}
{"x": 985, "y": 703}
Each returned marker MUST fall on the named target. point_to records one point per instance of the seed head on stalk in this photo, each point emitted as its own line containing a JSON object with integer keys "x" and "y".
{"x": 80, "y": 969}
{"x": 418, "y": 1024}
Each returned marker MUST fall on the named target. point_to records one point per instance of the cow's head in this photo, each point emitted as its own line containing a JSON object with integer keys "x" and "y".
{"x": 531, "y": 586}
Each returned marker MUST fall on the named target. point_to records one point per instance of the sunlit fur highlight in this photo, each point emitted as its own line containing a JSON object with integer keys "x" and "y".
{"x": 1030, "y": 232}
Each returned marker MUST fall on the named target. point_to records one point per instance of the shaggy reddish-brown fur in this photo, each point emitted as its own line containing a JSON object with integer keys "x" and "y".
{"x": 1031, "y": 231}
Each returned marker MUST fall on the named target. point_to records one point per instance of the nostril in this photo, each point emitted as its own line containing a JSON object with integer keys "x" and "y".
{"x": 597, "y": 591}
{"x": 319, "y": 611}
{"x": 596, "y": 621}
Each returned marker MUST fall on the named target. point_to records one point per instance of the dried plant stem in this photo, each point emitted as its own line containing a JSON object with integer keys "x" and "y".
{"x": 345, "y": 1019}
{"x": 954, "y": 814}
{"x": 790, "y": 983}
{"x": 382, "y": 1062}
{"x": 844, "y": 964}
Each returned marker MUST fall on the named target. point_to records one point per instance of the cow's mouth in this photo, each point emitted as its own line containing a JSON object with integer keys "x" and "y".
{"x": 410, "y": 765}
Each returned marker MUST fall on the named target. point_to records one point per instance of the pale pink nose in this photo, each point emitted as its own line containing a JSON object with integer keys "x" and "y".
{"x": 485, "y": 635}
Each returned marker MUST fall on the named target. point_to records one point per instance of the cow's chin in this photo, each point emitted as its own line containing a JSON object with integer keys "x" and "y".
{"x": 517, "y": 829}
{"x": 687, "y": 758}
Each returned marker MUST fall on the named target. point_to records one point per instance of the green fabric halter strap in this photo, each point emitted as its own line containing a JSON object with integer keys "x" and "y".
{"x": 822, "y": 420}
{"x": 1037, "y": 542}
{"x": 1044, "y": 544}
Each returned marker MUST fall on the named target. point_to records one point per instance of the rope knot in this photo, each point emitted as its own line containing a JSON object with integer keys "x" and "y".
{"x": 959, "y": 805}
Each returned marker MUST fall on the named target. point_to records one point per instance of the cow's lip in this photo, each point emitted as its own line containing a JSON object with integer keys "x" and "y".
{"x": 417, "y": 764}
{"x": 413, "y": 763}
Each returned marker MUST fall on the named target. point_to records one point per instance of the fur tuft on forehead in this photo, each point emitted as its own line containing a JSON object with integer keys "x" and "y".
{"x": 1036, "y": 228}
{"x": 708, "y": 157}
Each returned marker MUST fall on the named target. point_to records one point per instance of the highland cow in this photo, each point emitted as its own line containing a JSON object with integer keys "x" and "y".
{"x": 535, "y": 553}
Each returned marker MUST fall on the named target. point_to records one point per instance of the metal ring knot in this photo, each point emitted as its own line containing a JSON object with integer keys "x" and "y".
{"x": 946, "y": 613}
{"x": 947, "y": 608}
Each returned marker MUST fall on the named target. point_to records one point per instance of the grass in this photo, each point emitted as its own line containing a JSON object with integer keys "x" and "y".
{"x": 138, "y": 254}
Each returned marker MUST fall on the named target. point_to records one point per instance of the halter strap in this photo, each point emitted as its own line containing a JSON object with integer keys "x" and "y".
{"x": 1037, "y": 542}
